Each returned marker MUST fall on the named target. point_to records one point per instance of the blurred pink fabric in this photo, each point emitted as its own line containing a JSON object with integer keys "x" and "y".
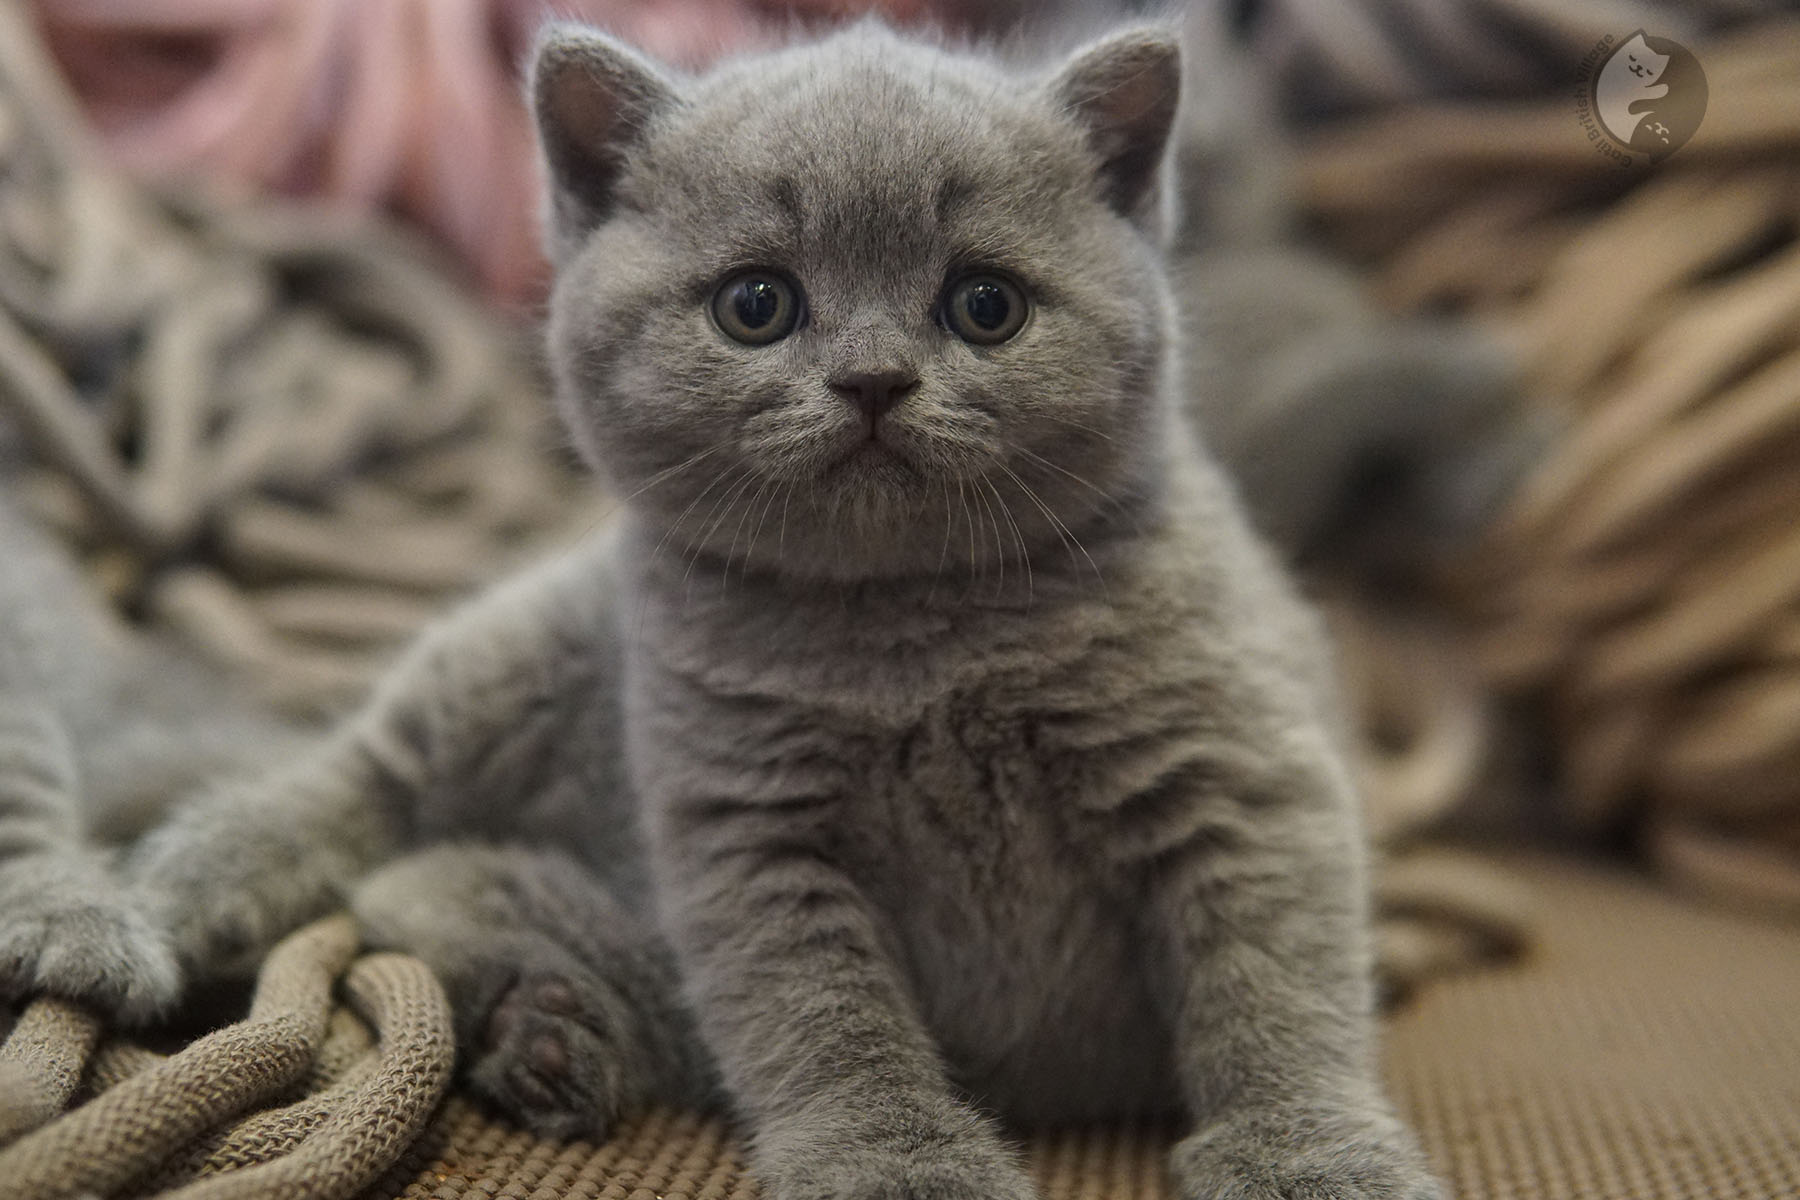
{"x": 409, "y": 105}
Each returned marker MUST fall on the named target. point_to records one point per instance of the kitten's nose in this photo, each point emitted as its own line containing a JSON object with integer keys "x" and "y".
{"x": 874, "y": 392}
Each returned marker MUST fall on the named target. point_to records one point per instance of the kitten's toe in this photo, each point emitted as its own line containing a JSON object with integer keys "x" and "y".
{"x": 100, "y": 953}
{"x": 219, "y": 933}
{"x": 554, "y": 1057}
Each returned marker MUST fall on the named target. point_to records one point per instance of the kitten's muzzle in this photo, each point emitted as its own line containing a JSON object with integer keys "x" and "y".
{"x": 873, "y": 393}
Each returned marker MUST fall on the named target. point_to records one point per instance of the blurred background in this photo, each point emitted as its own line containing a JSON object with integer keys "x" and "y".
{"x": 1526, "y": 415}
{"x": 282, "y": 257}
{"x": 1520, "y": 402}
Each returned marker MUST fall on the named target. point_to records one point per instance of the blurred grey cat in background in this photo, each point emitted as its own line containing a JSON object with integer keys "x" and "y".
{"x": 1359, "y": 440}
{"x": 98, "y": 729}
{"x": 930, "y": 737}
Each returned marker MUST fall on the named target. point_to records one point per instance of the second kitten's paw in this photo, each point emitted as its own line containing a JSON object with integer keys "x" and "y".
{"x": 1349, "y": 1156}
{"x": 95, "y": 949}
{"x": 555, "y": 1055}
{"x": 227, "y": 896}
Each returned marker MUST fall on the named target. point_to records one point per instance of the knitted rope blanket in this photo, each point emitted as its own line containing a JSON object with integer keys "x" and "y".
{"x": 305, "y": 1097}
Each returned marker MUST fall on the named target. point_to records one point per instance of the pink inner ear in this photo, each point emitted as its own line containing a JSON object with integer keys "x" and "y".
{"x": 583, "y": 108}
{"x": 1132, "y": 91}
{"x": 1125, "y": 94}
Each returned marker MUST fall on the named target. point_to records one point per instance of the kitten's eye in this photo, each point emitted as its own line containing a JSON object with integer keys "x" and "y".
{"x": 984, "y": 309}
{"x": 756, "y": 308}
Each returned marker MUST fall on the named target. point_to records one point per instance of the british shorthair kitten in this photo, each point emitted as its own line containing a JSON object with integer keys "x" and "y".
{"x": 930, "y": 747}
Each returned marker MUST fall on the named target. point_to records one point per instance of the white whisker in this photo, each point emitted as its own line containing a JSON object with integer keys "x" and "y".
{"x": 999, "y": 549}
{"x": 1070, "y": 542}
{"x": 715, "y": 517}
{"x": 668, "y": 473}
{"x": 1018, "y": 538}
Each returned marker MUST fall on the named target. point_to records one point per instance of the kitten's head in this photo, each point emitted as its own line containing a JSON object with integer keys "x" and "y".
{"x": 861, "y": 308}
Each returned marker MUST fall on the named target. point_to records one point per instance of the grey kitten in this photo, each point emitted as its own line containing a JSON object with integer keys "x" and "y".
{"x": 98, "y": 729}
{"x": 933, "y": 736}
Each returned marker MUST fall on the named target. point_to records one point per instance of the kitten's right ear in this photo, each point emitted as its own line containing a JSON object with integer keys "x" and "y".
{"x": 592, "y": 98}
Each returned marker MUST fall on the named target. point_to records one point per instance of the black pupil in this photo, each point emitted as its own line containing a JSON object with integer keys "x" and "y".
{"x": 757, "y": 302}
{"x": 987, "y": 305}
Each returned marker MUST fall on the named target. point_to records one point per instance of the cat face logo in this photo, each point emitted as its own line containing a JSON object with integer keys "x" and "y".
{"x": 1647, "y": 95}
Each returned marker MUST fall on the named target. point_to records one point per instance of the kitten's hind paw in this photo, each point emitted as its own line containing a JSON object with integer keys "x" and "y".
{"x": 552, "y": 1056}
{"x": 565, "y": 1020}
{"x": 96, "y": 950}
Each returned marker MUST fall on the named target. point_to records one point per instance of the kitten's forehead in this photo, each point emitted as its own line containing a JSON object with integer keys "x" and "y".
{"x": 864, "y": 139}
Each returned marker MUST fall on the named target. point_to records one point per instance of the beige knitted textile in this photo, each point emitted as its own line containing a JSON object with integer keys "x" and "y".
{"x": 299, "y": 1100}
{"x": 1649, "y": 1050}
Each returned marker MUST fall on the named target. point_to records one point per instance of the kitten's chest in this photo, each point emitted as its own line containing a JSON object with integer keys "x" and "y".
{"x": 956, "y": 820}
{"x": 952, "y": 806}
{"x": 1025, "y": 956}
{"x": 965, "y": 780}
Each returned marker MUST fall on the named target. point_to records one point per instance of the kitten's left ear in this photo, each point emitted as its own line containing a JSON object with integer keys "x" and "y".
{"x": 593, "y": 97}
{"x": 1124, "y": 91}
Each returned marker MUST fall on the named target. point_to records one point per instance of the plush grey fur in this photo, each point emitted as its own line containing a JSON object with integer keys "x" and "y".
{"x": 98, "y": 731}
{"x": 975, "y": 760}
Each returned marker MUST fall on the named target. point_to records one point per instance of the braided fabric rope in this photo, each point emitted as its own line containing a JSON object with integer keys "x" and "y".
{"x": 1646, "y": 582}
{"x": 219, "y": 1118}
{"x": 287, "y": 439}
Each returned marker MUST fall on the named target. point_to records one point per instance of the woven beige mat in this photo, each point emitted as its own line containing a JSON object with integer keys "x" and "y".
{"x": 1646, "y": 1051}
{"x": 670, "y": 1155}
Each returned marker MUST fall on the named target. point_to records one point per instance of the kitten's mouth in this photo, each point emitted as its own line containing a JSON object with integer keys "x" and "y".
{"x": 875, "y": 459}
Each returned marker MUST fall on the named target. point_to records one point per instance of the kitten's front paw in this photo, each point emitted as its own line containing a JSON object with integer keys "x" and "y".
{"x": 89, "y": 945}
{"x": 1348, "y": 1156}
{"x": 968, "y": 1167}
